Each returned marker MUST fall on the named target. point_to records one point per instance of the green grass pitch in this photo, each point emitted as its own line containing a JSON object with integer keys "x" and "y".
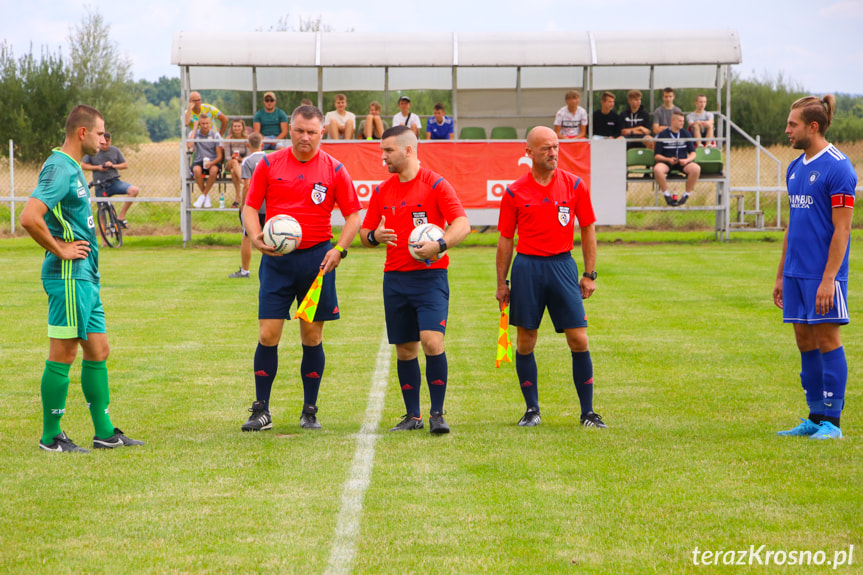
{"x": 694, "y": 373}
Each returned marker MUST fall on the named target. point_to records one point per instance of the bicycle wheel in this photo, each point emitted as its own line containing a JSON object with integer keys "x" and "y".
{"x": 109, "y": 226}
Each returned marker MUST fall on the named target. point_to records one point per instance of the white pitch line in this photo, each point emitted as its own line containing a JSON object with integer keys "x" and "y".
{"x": 354, "y": 491}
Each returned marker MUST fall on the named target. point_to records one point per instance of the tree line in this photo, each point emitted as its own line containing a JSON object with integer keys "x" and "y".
{"x": 36, "y": 93}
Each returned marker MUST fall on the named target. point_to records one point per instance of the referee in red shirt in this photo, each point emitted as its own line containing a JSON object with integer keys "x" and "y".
{"x": 416, "y": 293}
{"x": 305, "y": 183}
{"x": 543, "y": 206}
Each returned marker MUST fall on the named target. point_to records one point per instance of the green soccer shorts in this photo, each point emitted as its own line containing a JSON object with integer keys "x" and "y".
{"x": 74, "y": 308}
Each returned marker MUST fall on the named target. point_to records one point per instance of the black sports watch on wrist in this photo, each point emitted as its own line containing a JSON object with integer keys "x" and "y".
{"x": 591, "y": 275}
{"x": 342, "y": 251}
{"x": 442, "y": 245}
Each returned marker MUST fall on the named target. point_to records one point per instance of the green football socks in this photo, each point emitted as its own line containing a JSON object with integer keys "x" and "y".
{"x": 55, "y": 388}
{"x": 94, "y": 383}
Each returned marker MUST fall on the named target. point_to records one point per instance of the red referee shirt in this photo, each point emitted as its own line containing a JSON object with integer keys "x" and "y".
{"x": 545, "y": 215}
{"x": 307, "y": 191}
{"x": 426, "y": 199}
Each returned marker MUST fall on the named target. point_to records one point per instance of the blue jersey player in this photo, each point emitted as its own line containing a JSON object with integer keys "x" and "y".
{"x": 812, "y": 281}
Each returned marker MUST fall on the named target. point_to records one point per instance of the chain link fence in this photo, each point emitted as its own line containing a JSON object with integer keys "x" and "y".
{"x": 756, "y": 177}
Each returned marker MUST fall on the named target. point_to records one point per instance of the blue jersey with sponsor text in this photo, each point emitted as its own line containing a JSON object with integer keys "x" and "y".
{"x": 815, "y": 188}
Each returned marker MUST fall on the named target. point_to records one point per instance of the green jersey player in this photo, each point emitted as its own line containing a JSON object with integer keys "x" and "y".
{"x": 59, "y": 218}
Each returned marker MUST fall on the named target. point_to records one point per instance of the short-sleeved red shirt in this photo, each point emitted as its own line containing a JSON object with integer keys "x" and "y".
{"x": 426, "y": 199}
{"x": 308, "y": 191}
{"x": 545, "y": 215}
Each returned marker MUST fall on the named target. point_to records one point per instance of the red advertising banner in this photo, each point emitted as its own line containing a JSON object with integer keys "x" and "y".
{"x": 479, "y": 171}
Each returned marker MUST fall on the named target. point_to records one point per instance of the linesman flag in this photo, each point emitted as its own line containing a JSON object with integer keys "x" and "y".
{"x": 309, "y": 306}
{"x": 504, "y": 345}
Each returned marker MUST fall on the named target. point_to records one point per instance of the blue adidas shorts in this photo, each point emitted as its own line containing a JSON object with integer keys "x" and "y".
{"x": 798, "y": 302}
{"x": 540, "y": 282}
{"x": 415, "y": 301}
{"x": 287, "y": 278}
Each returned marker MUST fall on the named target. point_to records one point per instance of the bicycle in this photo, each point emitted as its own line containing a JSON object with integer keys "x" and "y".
{"x": 109, "y": 224}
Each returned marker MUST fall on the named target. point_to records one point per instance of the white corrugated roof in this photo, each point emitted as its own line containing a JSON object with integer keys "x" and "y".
{"x": 355, "y": 49}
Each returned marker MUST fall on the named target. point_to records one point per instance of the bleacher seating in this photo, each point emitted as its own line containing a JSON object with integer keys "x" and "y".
{"x": 472, "y": 133}
{"x": 504, "y": 133}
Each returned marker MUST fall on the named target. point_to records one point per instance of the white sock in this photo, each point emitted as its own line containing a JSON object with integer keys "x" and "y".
{"x": 666, "y": 193}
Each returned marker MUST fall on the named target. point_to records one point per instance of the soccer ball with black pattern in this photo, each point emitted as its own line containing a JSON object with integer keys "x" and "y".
{"x": 422, "y": 233}
{"x": 283, "y": 233}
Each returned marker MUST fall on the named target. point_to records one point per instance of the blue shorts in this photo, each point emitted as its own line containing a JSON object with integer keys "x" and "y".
{"x": 114, "y": 188}
{"x": 539, "y": 282}
{"x": 286, "y": 278}
{"x": 415, "y": 301}
{"x": 798, "y": 302}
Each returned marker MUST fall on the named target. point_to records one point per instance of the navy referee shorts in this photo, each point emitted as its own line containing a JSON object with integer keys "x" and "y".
{"x": 415, "y": 301}
{"x": 287, "y": 278}
{"x": 540, "y": 282}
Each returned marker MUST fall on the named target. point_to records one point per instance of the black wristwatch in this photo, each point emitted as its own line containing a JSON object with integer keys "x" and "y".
{"x": 342, "y": 251}
{"x": 442, "y": 245}
{"x": 591, "y": 275}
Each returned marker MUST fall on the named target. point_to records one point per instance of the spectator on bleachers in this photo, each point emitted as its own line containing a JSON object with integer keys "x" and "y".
{"x": 440, "y": 126}
{"x": 104, "y": 165}
{"x": 247, "y": 169}
{"x": 662, "y": 115}
{"x": 340, "y": 124}
{"x": 635, "y": 123}
{"x": 306, "y": 102}
{"x": 235, "y": 152}
{"x": 673, "y": 154}
{"x": 606, "y": 122}
{"x": 373, "y": 127}
{"x": 571, "y": 120}
{"x": 208, "y": 158}
{"x": 197, "y": 108}
{"x": 700, "y": 122}
{"x": 271, "y": 123}
{"x": 406, "y": 118}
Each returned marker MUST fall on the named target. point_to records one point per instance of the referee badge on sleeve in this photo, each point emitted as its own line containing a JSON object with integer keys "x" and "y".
{"x": 319, "y": 193}
{"x": 563, "y": 215}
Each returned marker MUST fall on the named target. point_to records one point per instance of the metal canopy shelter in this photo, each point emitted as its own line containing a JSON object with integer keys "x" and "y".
{"x": 516, "y": 77}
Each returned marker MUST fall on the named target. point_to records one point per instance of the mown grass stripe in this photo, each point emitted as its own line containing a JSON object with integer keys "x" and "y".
{"x": 354, "y": 491}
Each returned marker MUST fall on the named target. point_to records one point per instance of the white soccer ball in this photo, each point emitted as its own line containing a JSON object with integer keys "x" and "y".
{"x": 422, "y": 233}
{"x": 283, "y": 233}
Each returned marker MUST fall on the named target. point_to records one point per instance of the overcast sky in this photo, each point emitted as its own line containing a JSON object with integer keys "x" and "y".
{"x": 814, "y": 44}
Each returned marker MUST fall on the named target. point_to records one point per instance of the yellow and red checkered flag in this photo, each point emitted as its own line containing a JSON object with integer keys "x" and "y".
{"x": 504, "y": 345}
{"x": 309, "y": 306}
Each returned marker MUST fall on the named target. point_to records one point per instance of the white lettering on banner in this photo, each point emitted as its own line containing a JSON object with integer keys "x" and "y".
{"x": 494, "y": 189}
{"x": 365, "y": 188}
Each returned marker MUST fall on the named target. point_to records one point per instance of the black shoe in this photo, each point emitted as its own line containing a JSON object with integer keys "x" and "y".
{"x": 671, "y": 200}
{"x": 260, "y": 418}
{"x": 123, "y": 224}
{"x": 62, "y": 443}
{"x": 116, "y": 440}
{"x": 591, "y": 419}
{"x": 530, "y": 418}
{"x": 409, "y": 423}
{"x": 308, "y": 420}
{"x": 682, "y": 199}
{"x": 437, "y": 424}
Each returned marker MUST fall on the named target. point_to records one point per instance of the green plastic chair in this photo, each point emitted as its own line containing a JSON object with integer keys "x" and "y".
{"x": 639, "y": 157}
{"x": 472, "y": 133}
{"x": 504, "y": 133}
{"x": 710, "y": 160}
